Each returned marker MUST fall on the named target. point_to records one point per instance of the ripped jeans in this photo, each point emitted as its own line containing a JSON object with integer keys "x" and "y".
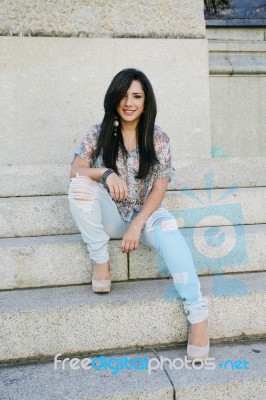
{"x": 97, "y": 218}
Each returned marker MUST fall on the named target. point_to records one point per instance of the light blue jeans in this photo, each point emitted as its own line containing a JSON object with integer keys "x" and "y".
{"x": 97, "y": 218}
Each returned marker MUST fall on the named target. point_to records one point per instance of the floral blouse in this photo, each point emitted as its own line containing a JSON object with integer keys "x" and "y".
{"x": 138, "y": 189}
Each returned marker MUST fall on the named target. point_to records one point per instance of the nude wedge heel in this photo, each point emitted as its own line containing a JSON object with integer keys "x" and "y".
{"x": 101, "y": 285}
{"x": 200, "y": 353}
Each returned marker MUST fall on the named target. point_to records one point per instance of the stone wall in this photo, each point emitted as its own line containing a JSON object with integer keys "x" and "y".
{"x": 52, "y": 90}
{"x": 103, "y": 18}
{"x": 238, "y": 91}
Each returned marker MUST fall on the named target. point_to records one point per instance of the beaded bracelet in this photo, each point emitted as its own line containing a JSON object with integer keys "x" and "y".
{"x": 105, "y": 175}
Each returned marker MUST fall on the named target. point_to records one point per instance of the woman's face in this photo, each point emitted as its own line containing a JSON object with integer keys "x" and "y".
{"x": 131, "y": 106}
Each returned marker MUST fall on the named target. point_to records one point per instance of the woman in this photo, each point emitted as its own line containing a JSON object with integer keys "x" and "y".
{"x": 119, "y": 177}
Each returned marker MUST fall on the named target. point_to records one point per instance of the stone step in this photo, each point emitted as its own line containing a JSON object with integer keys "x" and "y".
{"x": 52, "y": 261}
{"x": 50, "y": 215}
{"x": 236, "y": 371}
{"x": 64, "y": 260}
{"x": 206, "y": 173}
{"x": 38, "y": 323}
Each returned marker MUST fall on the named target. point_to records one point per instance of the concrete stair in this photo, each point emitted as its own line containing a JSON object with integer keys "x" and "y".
{"x": 30, "y": 262}
{"x": 50, "y": 215}
{"x": 202, "y": 173}
{"x": 233, "y": 379}
{"x": 47, "y": 305}
{"x": 36, "y": 323}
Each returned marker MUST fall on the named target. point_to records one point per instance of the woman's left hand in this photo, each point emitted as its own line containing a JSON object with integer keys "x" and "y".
{"x": 130, "y": 239}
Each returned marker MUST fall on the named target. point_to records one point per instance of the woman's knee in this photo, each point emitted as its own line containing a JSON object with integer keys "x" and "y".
{"x": 82, "y": 188}
{"x": 163, "y": 220}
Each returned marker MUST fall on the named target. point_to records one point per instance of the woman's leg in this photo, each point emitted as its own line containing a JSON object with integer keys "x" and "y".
{"x": 96, "y": 216}
{"x": 162, "y": 233}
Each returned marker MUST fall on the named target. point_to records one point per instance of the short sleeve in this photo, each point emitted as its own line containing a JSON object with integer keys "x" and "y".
{"x": 87, "y": 147}
{"x": 163, "y": 151}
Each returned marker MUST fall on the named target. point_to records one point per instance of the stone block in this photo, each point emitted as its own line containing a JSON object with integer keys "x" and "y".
{"x": 52, "y": 261}
{"x": 55, "y": 88}
{"x": 118, "y": 18}
{"x": 39, "y": 323}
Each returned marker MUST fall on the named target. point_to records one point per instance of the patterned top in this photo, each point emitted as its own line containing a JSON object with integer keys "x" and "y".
{"x": 138, "y": 189}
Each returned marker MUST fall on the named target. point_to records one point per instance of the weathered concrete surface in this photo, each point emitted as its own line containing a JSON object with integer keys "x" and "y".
{"x": 237, "y": 77}
{"x": 239, "y": 34}
{"x": 239, "y": 131}
{"x": 30, "y": 180}
{"x": 237, "y": 58}
{"x": 116, "y": 18}
{"x": 53, "y": 261}
{"x": 244, "y": 48}
{"x": 64, "y": 260}
{"x": 136, "y": 383}
{"x": 86, "y": 384}
{"x": 33, "y": 180}
{"x": 55, "y": 88}
{"x": 36, "y": 215}
{"x": 71, "y": 320}
{"x": 50, "y": 215}
{"x": 219, "y": 207}
{"x": 247, "y": 247}
{"x": 222, "y": 382}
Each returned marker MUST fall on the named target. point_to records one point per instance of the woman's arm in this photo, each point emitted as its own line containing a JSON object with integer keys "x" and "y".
{"x": 117, "y": 187}
{"x": 82, "y": 167}
{"x": 153, "y": 200}
{"x": 131, "y": 238}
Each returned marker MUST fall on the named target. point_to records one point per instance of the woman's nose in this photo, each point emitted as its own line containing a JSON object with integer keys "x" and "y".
{"x": 129, "y": 101}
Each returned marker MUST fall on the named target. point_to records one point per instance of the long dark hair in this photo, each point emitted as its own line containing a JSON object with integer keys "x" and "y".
{"x": 108, "y": 143}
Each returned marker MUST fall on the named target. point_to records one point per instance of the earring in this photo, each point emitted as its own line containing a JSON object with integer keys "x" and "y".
{"x": 116, "y": 124}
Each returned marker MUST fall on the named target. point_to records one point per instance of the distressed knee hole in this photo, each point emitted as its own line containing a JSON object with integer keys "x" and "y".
{"x": 82, "y": 188}
{"x": 169, "y": 225}
{"x": 166, "y": 224}
{"x": 180, "y": 277}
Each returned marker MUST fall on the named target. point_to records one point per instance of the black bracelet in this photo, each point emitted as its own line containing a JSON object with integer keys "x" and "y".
{"x": 108, "y": 172}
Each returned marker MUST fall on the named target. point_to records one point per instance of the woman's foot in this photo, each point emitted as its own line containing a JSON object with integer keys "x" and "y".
{"x": 199, "y": 333}
{"x": 198, "y": 346}
{"x": 102, "y": 271}
{"x": 101, "y": 281}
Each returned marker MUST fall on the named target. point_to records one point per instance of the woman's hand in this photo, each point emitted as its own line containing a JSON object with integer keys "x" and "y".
{"x": 131, "y": 238}
{"x": 117, "y": 187}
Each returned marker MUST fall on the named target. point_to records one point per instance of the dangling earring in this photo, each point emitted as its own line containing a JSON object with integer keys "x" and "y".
{"x": 116, "y": 124}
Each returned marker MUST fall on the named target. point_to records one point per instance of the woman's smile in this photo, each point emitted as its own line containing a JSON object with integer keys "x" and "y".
{"x": 129, "y": 112}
